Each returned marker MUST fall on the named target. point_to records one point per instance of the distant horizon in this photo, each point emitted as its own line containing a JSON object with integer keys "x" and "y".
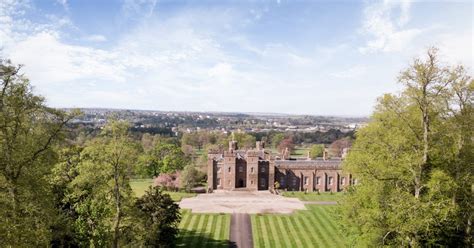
{"x": 215, "y": 112}
{"x": 306, "y": 57}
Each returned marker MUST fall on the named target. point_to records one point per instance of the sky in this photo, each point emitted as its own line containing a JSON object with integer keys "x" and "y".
{"x": 281, "y": 56}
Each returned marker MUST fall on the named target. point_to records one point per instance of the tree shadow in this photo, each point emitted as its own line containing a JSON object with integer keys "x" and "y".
{"x": 188, "y": 238}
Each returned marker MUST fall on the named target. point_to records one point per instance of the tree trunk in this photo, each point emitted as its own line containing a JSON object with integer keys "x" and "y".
{"x": 118, "y": 207}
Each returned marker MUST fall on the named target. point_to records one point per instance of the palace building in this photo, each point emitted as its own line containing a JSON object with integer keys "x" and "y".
{"x": 259, "y": 169}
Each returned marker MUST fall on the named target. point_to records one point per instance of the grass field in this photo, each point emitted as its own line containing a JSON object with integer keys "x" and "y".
{"x": 300, "y": 152}
{"x": 305, "y": 228}
{"x": 313, "y": 196}
{"x": 203, "y": 230}
{"x": 140, "y": 185}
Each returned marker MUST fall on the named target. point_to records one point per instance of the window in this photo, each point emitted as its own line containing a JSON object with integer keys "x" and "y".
{"x": 251, "y": 169}
{"x": 306, "y": 181}
{"x": 229, "y": 169}
{"x": 318, "y": 180}
{"x": 343, "y": 180}
{"x": 241, "y": 168}
{"x": 251, "y": 182}
{"x": 330, "y": 180}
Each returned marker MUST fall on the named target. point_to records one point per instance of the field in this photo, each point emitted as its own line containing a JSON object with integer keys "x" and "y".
{"x": 203, "y": 230}
{"x": 305, "y": 228}
{"x": 313, "y": 196}
{"x": 140, "y": 185}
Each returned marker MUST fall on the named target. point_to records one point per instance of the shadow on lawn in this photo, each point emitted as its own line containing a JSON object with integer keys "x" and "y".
{"x": 195, "y": 239}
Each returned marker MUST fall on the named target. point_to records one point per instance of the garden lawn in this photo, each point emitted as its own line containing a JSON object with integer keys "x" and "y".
{"x": 315, "y": 227}
{"x": 140, "y": 185}
{"x": 313, "y": 196}
{"x": 203, "y": 230}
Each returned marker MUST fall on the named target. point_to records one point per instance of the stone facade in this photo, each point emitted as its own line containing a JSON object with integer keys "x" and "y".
{"x": 258, "y": 169}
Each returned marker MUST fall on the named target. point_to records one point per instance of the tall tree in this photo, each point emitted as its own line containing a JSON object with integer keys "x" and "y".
{"x": 413, "y": 164}
{"x": 160, "y": 218}
{"x": 28, "y": 132}
{"x": 102, "y": 188}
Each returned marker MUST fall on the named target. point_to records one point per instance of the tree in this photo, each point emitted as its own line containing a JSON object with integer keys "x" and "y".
{"x": 412, "y": 162}
{"x": 29, "y": 130}
{"x": 316, "y": 151}
{"x": 160, "y": 218}
{"x": 102, "y": 188}
{"x": 287, "y": 143}
{"x": 163, "y": 158}
{"x": 189, "y": 177}
{"x": 337, "y": 147}
{"x": 276, "y": 139}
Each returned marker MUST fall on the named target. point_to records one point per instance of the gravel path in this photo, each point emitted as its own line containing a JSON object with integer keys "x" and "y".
{"x": 242, "y": 202}
{"x": 241, "y": 231}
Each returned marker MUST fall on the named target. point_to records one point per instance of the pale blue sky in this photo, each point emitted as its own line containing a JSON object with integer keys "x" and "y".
{"x": 302, "y": 57}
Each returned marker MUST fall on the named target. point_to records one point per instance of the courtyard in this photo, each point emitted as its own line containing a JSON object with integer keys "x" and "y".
{"x": 248, "y": 202}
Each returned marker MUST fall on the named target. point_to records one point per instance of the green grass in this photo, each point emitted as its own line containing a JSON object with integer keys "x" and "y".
{"x": 313, "y": 196}
{"x": 315, "y": 227}
{"x": 300, "y": 152}
{"x": 140, "y": 185}
{"x": 203, "y": 230}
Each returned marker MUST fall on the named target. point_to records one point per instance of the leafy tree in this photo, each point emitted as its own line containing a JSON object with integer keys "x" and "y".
{"x": 287, "y": 143}
{"x": 337, "y": 147}
{"x": 101, "y": 190}
{"x": 160, "y": 218}
{"x": 29, "y": 130}
{"x": 316, "y": 151}
{"x": 244, "y": 140}
{"x": 63, "y": 173}
{"x": 189, "y": 177}
{"x": 276, "y": 139}
{"x": 163, "y": 158}
{"x": 414, "y": 162}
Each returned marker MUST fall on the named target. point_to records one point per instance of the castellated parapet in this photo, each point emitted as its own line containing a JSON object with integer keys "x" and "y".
{"x": 258, "y": 169}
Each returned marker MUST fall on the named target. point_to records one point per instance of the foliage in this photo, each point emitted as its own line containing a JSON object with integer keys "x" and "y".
{"x": 160, "y": 218}
{"x": 163, "y": 158}
{"x": 414, "y": 162}
{"x": 168, "y": 181}
{"x": 336, "y": 148}
{"x": 28, "y": 133}
{"x": 316, "y": 151}
{"x": 189, "y": 177}
{"x": 287, "y": 143}
{"x": 101, "y": 192}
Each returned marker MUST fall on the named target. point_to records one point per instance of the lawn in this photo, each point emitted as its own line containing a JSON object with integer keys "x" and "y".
{"x": 203, "y": 230}
{"x": 314, "y": 227}
{"x": 300, "y": 152}
{"x": 313, "y": 196}
{"x": 140, "y": 185}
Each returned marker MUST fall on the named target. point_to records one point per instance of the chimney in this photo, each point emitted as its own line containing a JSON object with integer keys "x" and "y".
{"x": 325, "y": 154}
{"x": 258, "y": 145}
{"x": 232, "y": 146}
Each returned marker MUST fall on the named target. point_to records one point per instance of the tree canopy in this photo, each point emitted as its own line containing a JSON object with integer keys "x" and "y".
{"x": 414, "y": 162}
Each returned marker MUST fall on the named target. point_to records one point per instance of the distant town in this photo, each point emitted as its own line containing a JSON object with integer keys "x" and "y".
{"x": 174, "y": 122}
